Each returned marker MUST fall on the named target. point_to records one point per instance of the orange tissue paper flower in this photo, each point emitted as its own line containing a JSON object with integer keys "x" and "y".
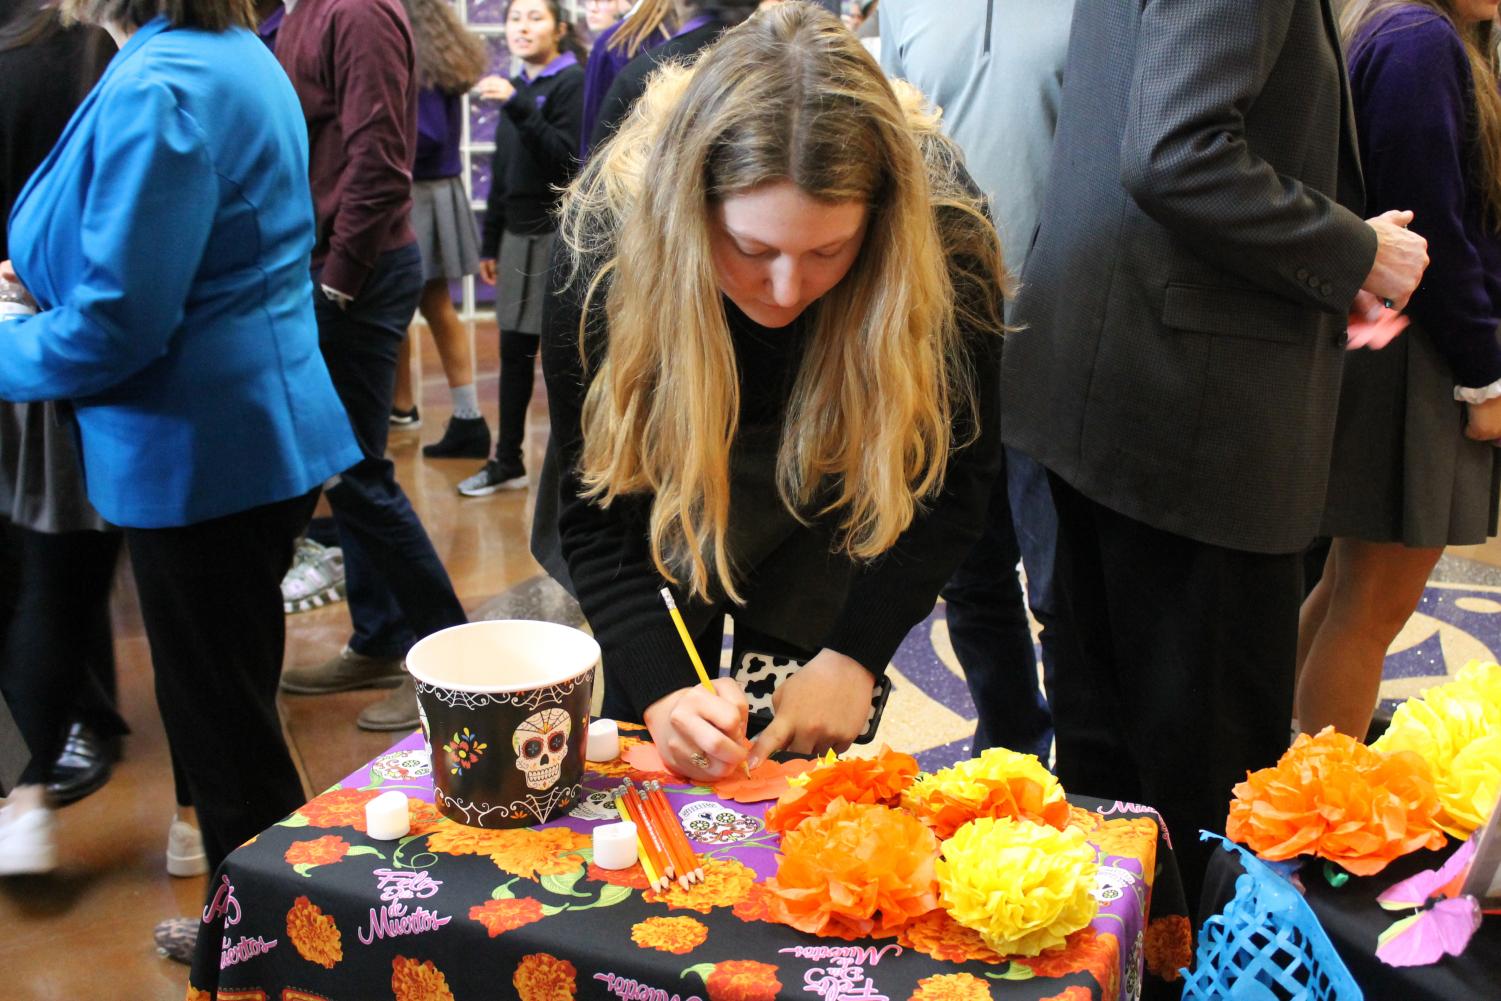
{"x": 856, "y": 871}
{"x": 999, "y": 783}
{"x": 418, "y": 981}
{"x": 880, "y": 779}
{"x": 544, "y": 977}
{"x": 1333, "y": 797}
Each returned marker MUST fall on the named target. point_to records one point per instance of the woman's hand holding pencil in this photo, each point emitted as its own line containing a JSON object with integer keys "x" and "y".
{"x": 700, "y": 730}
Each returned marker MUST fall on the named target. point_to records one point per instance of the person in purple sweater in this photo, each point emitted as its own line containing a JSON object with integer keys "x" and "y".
{"x": 1414, "y": 463}
{"x": 647, "y": 27}
{"x": 450, "y": 60}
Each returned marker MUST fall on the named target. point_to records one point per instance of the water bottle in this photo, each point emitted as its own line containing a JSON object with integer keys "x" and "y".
{"x": 14, "y": 302}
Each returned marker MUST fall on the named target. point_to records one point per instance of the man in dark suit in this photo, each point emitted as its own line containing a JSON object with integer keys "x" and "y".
{"x": 1177, "y": 373}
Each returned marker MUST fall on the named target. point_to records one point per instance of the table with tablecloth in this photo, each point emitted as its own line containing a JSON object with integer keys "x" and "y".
{"x": 313, "y": 908}
{"x": 1348, "y": 913}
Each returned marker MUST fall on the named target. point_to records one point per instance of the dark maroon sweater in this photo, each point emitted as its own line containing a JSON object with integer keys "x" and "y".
{"x": 350, "y": 62}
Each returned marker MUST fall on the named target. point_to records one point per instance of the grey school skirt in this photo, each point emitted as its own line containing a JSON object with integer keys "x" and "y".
{"x": 521, "y": 281}
{"x": 444, "y": 224}
{"x": 1403, "y": 471}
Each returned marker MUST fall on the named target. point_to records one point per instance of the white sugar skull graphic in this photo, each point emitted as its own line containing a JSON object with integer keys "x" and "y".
{"x": 541, "y": 743}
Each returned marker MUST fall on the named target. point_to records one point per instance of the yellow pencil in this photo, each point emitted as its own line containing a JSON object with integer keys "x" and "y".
{"x": 657, "y": 881}
{"x": 698, "y": 665}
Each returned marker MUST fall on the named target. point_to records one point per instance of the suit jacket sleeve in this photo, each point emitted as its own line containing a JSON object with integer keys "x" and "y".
{"x": 145, "y": 222}
{"x": 1187, "y": 162}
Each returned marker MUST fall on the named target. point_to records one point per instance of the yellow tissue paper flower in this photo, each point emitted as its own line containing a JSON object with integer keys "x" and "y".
{"x": 1023, "y": 886}
{"x": 999, "y": 783}
{"x": 1456, "y": 728}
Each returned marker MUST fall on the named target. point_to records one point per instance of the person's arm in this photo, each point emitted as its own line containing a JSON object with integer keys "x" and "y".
{"x": 892, "y": 63}
{"x": 146, "y": 220}
{"x": 1186, "y": 160}
{"x": 495, "y": 201}
{"x": 1413, "y": 93}
{"x": 372, "y": 56}
{"x": 551, "y": 131}
{"x": 629, "y": 85}
{"x": 826, "y": 703}
{"x": 609, "y": 562}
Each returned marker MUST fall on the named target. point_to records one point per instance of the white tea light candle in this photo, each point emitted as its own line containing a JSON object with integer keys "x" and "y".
{"x": 615, "y": 845}
{"x": 604, "y": 741}
{"x": 386, "y": 816}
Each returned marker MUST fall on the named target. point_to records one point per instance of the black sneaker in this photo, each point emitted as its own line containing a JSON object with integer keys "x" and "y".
{"x": 494, "y": 477}
{"x": 464, "y": 438}
{"x": 406, "y": 420}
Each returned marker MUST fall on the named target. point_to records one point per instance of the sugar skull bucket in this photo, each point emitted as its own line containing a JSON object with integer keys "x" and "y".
{"x": 505, "y": 711}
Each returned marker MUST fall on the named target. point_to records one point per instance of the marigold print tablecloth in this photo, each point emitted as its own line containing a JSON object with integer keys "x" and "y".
{"x": 314, "y": 909}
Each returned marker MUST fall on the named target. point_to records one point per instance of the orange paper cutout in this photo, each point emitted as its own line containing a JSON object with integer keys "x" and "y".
{"x": 768, "y": 780}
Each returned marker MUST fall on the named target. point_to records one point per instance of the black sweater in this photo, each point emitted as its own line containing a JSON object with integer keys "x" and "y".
{"x": 536, "y": 152}
{"x": 607, "y": 550}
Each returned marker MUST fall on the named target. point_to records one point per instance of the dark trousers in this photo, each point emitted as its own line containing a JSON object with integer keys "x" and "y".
{"x": 518, "y": 368}
{"x": 988, "y": 627}
{"x": 57, "y": 654}
{"x": 210, "y": 598}
{"x": 1175, "y": 670}
{"x": 397, "y": 587}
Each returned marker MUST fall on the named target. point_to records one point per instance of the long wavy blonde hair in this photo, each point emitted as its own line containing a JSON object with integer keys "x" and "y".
{"x": 789, "y": 95}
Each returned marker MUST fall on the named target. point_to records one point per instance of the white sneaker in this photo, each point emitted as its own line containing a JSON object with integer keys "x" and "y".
{"x": 28, "y": 841}
{"x": 315, "y": 579}
{"x": 185, "y": 855}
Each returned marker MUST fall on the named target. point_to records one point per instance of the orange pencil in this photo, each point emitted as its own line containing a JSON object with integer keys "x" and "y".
{"x": 650, "y": 840}
{"x": 654, "y": 790}
{"x": 649, "y": 854}
{"x": 664, "y": 827}
{"x": 652, "y": 876}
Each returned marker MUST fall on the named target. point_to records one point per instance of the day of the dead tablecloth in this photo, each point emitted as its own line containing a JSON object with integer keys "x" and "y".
{"x": 315, "y": 910}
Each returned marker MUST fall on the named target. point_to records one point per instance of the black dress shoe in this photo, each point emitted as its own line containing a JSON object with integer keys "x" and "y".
{"x": 83, "y": 766}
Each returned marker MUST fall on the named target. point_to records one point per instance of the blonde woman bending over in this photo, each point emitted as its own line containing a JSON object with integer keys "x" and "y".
{"x": 772, "y": 365}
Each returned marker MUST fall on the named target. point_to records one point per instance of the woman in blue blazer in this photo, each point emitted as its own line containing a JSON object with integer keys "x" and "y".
{"x": 165, "y": 242}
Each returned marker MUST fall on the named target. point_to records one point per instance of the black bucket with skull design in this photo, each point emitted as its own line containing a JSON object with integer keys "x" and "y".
{"x": 505, "y": 710}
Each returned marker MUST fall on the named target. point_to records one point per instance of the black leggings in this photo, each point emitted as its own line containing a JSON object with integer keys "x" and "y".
{"x": 518, "y": 366}
{"x": 57, "y": 655}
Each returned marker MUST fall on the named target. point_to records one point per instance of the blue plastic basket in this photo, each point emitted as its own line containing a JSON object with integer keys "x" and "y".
{"x": 1266, "y": 945}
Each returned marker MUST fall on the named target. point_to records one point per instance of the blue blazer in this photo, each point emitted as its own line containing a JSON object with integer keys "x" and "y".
{"x": 167, "y": 241}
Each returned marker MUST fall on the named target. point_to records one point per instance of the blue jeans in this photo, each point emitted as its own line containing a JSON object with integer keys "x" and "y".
{"x": 987, "y": 618}
{"x": 398, "y": 589}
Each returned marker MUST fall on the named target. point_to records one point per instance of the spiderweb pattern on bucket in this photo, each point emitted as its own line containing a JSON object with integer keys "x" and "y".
{"x": 530, "y": 699}
{"x": 1266, "y": 945}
